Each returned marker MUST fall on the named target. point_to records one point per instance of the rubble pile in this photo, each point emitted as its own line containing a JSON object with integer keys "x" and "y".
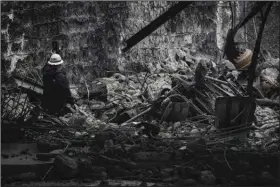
{"x": 174, "y": 127}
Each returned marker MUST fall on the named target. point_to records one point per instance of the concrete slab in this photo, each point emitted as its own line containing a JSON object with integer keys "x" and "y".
{"x": 21, "y": 158}
{"x": 115, "y": 183}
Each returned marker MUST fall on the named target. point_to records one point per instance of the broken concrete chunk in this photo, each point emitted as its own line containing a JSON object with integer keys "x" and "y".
{"x": 183, "y": 148}
{"x": 180, "y": 55}
{"x": 77, "y": 120}
{"x": 94, "y": 90}
{"x": 207, "y": 177}
{"x": 165, "y": 135}
{"x": 46, "y": 144}
{"x": 259, "y": 135}
{"x": 119, "y": 77}
{"x": 213, "y": 128}
{"x": 234, "y": 149}
{"x": 91, "y": 122}
{"x": 235, "y": 74}
{"x": 57, "y": 151}
{"x": 269, "y": 61}
{"x": 228, "y": 65}
{"x": 269, "y": 78}
{"x": 195, "y": 133}
{"x": 176, "y": 125}
{"x": 269, "y": 132}
{"x": 74, "y": 92}
{"x": 65, "y": 166}
{"x": 96, "y": 105}
{"x": 266, "y": 117}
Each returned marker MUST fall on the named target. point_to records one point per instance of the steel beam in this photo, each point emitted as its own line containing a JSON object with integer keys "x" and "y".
{"x": 146, "y": 31}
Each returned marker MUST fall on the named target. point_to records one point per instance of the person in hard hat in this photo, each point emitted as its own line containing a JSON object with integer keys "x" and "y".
{"x": 56, "y": 88}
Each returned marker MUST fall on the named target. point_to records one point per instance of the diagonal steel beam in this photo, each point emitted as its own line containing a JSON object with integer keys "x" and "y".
{"x": 254, "y": 63}
{"x": 171, "y": 12}
{"x": 256, "y": 9}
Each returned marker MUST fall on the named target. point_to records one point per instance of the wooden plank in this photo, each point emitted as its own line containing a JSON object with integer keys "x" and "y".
{"x": 234, "y": 111}
{"x": 29, "y": 86}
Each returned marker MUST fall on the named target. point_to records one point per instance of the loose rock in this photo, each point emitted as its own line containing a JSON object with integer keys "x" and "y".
{"x": 46, "y": 144}
{"x": 208, "y": 178}
{"x": 77, "y": 120}
{"x": 195, "y": 133}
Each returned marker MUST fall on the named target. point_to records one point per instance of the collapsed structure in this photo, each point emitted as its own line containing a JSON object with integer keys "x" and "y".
{"x": 160, "y": 127}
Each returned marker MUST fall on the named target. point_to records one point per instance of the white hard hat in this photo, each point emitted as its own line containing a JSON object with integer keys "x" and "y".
{"x": 55, "y": 60}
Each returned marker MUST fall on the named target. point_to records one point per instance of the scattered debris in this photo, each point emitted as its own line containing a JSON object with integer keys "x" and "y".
{"x": 179, "y": 123}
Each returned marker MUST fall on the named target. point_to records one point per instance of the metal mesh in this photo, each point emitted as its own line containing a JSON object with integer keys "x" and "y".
{"x": 15, "y": 105}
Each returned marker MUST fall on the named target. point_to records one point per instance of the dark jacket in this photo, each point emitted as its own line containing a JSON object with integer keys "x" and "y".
{"x": 56, "y": 90}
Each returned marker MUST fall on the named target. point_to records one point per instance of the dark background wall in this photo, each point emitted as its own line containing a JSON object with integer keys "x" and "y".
{"x": 271, "y": 34}
{"x": 90, "y": 34}
{"x": 86, "y": 32}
